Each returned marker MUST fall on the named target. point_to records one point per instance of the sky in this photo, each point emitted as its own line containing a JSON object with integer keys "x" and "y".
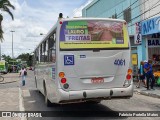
{"x": 32, "y": 17}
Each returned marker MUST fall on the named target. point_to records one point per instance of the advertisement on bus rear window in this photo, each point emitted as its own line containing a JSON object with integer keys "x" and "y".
{"x": 93, "y": 34}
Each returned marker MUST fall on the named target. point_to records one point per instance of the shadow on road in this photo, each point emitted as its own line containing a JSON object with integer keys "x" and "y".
{"x": 35, "y": 102}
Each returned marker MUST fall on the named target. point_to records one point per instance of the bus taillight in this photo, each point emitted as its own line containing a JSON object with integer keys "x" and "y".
{"x": 128, "y": 80}
{"x": 128, "y": 77}
{"x": 61, "y": 74}
{"x": 60, "y": 22}
{"x": 63, "y": 80}
{"x": 129, "y": 71}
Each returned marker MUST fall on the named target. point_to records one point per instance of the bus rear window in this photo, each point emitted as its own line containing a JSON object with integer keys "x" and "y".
{"x": 93, "y": 34}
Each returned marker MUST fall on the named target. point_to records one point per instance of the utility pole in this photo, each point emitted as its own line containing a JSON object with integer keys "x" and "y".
{"x": 12, "y": 43}
{"x": 0, "y": 52}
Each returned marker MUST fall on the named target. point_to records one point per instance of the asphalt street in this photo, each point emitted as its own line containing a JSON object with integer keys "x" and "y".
{"x": 34, "y": 101}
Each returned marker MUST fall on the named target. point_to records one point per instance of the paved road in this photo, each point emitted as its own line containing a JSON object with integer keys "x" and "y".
{"x": 34, "y": 101}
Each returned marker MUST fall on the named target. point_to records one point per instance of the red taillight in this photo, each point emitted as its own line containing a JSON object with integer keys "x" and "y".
{"x": 128, "y": 77}
{"x": 63, "y": 80}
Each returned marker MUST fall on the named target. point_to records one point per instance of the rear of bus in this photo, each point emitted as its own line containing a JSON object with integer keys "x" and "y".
{"x": 93, "y": 60}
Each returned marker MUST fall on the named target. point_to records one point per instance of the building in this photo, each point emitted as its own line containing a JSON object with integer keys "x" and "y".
{"x": 136, "y": 13}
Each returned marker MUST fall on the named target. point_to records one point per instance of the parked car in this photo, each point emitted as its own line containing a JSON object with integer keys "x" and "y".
{"x": 30, "y": 68}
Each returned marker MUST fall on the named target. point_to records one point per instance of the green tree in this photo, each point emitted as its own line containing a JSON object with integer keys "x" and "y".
{"x": 4, "y": 6}
{"x": 26, "y": 57}
{"x": 23, "y": 56}
{"x": 7, "y": 58}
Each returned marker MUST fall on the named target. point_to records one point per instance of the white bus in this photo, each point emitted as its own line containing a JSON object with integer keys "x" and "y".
{"x": 84, "y": 59}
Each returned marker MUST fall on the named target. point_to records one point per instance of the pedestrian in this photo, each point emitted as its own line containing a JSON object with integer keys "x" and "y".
{"x": 23, "y": 74}
{"x": 141, "y": 75}
{"x": 149, "y": 74}
{"x": 151, "y": 69}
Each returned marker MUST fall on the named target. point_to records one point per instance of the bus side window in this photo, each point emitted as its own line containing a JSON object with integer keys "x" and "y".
{"x": 54, "y": 44}
{"x": 36, "y": 57}
{"x": 54, "y": 49}
{"x": 45, "y": 50}
{"x": 41, "y": 53}
{"x": 51, "y": 48}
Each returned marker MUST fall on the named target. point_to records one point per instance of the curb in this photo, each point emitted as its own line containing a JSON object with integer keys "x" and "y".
{"x": 8, "y": 82}
{"x": 147, "y": 94}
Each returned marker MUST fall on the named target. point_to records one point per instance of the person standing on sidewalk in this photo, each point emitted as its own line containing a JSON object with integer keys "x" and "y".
{"x": 151, "y": 69}
{"x": 149, "y": 73}
{"x": 23, "y": 74}
{"x": 141, "y": 75}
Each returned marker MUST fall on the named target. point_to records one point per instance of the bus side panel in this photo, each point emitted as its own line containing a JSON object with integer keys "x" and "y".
{"x": 38, "y": 74}
{"x": 46, "y": 76}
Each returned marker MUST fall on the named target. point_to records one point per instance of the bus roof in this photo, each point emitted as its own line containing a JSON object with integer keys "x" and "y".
{"x": 91, "y": 18}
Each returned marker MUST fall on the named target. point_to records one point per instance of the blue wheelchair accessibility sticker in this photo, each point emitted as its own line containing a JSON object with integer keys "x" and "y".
{"x": 68, "y": 59}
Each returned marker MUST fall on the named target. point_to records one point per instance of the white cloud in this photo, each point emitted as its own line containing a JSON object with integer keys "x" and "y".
{"x": 78, "y": 11}
{"x": 17, "y": 23}
{"x": 32, "y": 20}
{"x": 35, "y": 31}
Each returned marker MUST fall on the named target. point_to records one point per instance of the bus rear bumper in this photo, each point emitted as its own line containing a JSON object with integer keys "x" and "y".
{"x": 98, "y": 94}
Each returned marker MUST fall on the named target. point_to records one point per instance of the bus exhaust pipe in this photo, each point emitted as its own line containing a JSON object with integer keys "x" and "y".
{"x": 111, "y": 93}
{"x": 84, "y": 94}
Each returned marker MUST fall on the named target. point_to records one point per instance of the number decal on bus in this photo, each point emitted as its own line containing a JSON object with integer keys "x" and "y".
{"x": 120, "y": 62}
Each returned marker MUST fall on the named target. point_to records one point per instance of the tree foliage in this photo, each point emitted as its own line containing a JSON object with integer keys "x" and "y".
{"x": 26, "y": 57}
{"x": 7, "y": 58}
{"x": 23, "y": 56}
{"x": 5, "y": 6}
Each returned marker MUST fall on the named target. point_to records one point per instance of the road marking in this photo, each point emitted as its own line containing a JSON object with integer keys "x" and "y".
{"x": 33, "y": 101}
{"x": 21, "y": 103}
{"x": 26, "y": 93}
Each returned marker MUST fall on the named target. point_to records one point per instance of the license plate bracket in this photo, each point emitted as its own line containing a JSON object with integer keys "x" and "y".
{"x": 97, "y": 80}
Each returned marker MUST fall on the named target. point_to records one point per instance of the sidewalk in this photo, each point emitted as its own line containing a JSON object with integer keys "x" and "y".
{"x": 142, "y": 90}
{"x": 10, "y": 94}
{"x": 10, "y": 78}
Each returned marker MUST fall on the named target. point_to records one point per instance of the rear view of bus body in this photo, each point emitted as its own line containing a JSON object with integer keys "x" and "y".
{"x": 89, "y": 60}
{"x": 96, "y": 76}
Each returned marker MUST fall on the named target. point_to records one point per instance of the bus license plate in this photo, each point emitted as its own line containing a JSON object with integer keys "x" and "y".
{"x": 97, "y": 80}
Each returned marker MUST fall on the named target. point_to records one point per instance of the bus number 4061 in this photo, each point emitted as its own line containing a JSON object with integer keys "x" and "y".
{"x": 120, "y": 62}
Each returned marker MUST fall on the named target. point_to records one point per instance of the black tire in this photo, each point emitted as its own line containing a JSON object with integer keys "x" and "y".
{"x": 47, "y": 102}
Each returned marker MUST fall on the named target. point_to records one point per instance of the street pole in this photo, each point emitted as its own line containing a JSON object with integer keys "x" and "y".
{"x": 12, "y": 43}
{"x": 0, "y": 52}
{"x": 42, "y": 34}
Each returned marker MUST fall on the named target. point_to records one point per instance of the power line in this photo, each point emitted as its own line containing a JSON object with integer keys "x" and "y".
{"x": 138, "y": 6}
{"x": 132, "y": 8}
{"x": 144, "y": 13}
{"x": 127, "y": 8}
{"x": 145, "y": 19}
